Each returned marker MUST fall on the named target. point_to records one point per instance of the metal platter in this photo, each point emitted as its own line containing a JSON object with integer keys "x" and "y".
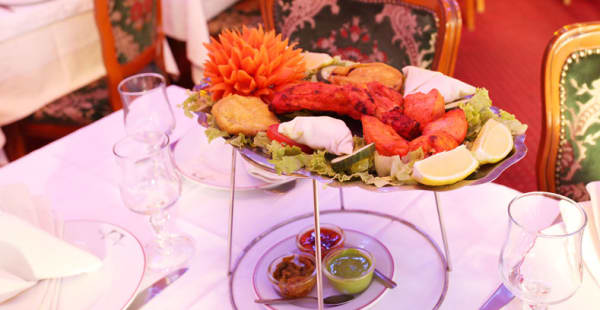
{"x": 485, "y": 173}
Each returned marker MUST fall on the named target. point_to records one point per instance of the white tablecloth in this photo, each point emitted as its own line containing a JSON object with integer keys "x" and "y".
{"x": 77, "y": 174}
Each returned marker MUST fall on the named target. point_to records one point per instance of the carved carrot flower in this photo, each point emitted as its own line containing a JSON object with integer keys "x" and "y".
{"x": 251, "y": 63}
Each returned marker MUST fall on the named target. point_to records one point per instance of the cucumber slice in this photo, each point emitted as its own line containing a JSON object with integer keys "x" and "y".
{"x": 346, "y": 162}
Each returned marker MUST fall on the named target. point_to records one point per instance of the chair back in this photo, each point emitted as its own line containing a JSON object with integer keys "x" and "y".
{"x": 131, "y": 36}
{"x": 422, "y": 33}
{"x": 570, "y": 142}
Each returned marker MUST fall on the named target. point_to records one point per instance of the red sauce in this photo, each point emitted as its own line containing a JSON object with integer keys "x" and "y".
{"x": 329, "y": 239}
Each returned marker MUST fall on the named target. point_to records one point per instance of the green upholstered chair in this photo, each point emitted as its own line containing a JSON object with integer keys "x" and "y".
{"x": 569, "y": 155}
{"x": 422, "y": 33}
{"x": 131, "y": 43}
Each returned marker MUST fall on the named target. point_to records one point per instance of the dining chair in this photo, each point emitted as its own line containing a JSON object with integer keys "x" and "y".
{"x": 423, "y": 33}
{"x": 131, "y": 39}
{"x": 570, "y": 141}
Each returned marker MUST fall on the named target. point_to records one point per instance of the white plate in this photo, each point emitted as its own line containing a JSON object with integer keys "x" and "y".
{"x": 115, "y": 284}
{"x": 383, "y": 261}
{"x": 210, "y": 163}
{"x": 21, "y": 2}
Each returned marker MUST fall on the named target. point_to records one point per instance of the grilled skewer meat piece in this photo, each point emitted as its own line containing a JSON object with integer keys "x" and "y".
{"x": 454, "y": 123}
{"x": 313, "y": 96}
{"x": 424, "y": 108}
{"x": 375, "y": 100}
{"x": 433, "y": 143}
{"x": 387, "y": 141}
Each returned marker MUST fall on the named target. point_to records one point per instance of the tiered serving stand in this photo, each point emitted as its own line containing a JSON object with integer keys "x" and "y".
{"x": 485, "y": 174}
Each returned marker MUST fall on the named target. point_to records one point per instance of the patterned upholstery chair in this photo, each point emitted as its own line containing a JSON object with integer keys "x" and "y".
{"x": 131, "y": 42}
{"x": 570, "y": 144}
{"x": 423, "y": 33}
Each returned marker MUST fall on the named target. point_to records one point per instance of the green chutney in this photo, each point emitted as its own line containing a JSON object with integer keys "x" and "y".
{"x": 350, "y": 264}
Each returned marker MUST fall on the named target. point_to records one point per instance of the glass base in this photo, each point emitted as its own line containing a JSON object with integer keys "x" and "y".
{"x": 180, "y": 251}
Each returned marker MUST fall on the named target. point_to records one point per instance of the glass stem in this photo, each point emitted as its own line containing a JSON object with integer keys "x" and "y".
{"x": 159, "y": 225}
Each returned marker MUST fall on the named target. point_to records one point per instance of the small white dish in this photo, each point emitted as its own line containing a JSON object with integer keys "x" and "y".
{"x": 384, "y": 263}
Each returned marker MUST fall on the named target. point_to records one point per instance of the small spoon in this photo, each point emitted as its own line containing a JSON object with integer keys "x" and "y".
{"x": 387, "y": 282}
{"x": 334, "y": 300}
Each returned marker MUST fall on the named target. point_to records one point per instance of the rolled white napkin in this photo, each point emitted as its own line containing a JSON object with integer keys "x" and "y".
{"x": 422, "y": 80}
{"x": 591, "y": 237}
{"x": 34, "y": 258}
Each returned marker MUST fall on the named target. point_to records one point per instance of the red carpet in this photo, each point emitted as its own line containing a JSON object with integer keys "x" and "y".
{"x": 504, "y": 55}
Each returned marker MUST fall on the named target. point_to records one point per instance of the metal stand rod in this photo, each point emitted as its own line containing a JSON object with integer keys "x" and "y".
{"x": 442, "y": 230}
{"x": 231, "y": 204}
{"x": 318, "y": 262}
{"x": 342, "y": 205}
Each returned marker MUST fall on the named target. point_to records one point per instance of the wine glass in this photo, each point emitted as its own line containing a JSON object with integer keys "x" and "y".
{"x": 145, "y": 104}
{"x": 540, "y": 261}
{"x": 150, "y": 185}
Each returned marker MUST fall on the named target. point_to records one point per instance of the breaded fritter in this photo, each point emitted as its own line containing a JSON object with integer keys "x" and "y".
{"x": 248, "y": 115}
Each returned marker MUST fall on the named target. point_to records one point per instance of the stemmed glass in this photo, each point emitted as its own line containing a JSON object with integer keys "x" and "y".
{"x": 145, "y": 104}
{"x": 150, "y": 185}
{"x": 540, "y": 261}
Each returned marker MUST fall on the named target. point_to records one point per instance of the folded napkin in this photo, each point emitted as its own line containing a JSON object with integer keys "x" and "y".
{"x": 34, "y": 257}
{"x": 591, "y": 237}
{"x": 422, "y": 80}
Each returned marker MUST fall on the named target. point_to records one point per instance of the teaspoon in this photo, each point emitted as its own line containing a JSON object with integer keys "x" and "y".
{"x": 334, "y": 300}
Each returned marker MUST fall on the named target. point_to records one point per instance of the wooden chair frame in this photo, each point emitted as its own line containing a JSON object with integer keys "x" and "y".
{"x": 115, "y": 71}
{"x": 448, "y": 39}
{"x": 566, "y": 40}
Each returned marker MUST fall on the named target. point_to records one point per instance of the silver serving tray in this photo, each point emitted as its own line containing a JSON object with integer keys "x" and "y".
{"x": 484, "y": 174}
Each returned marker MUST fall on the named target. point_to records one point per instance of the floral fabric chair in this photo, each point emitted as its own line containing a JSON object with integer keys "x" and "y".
{"x": 131, "y": 43}
{"x": 400, "y": 33}
{"x": 568, "y": 157}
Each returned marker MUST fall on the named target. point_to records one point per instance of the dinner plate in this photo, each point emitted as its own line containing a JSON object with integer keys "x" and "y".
{"x": 383, "y": 260}
{"x": 114, "y": 285}
{"x": 210, "y": 163}
{"x": 21, "y": 2}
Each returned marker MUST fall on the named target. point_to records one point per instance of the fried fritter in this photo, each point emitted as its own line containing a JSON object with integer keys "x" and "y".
{"x": 454, "y": 123}
{"x": 387, "y": 141}
{"x": 432, "y": 143}
{"x": 362, "y": 74}
{"x": 248, "y": 115}
{"x": 424, "y": 108}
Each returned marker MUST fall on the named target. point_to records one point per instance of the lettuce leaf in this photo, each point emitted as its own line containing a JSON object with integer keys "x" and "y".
{"x": 479, "y": 109}
{"x": 195, "y": 102}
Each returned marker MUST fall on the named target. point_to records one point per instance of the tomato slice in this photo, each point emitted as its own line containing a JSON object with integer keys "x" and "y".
{"x": 273, "y": 134}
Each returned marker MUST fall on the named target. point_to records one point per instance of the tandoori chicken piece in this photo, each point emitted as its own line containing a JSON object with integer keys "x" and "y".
{"x": 424, "y": 108}
{"x": 433, "y": 143}
{"x": 362, "y": 74}
{"x": 313, "y": 96}
{"x": 387, "y": 141}
{"x": 375, "y": 99}
{"x": 454, "y": 123}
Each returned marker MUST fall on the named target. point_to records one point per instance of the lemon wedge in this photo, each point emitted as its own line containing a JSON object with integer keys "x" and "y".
{"x": 493, "y": 142}
{"x": 445, "y": 167}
